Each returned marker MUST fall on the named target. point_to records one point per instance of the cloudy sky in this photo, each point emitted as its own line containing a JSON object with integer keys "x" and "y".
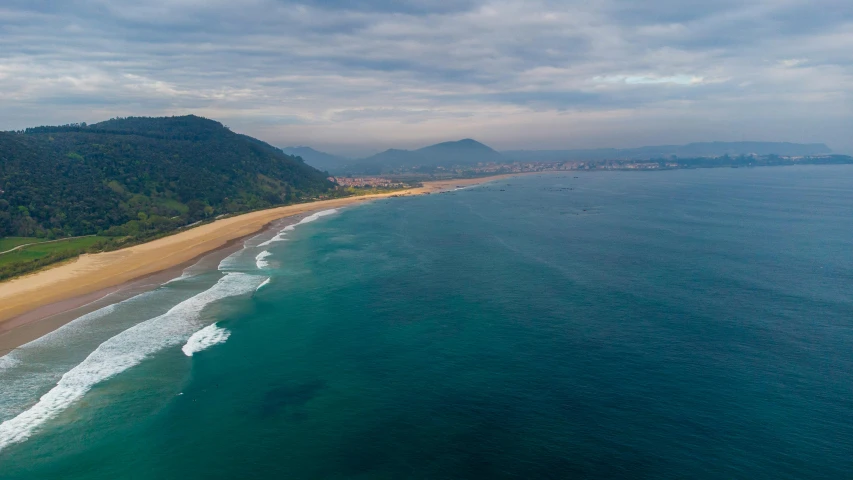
{"x": 359, "y": 76}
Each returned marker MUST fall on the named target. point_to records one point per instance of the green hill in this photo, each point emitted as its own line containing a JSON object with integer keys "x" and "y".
{"x": 138, "y": 177}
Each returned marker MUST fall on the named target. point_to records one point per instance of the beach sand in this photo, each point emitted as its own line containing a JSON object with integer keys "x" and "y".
{"x": 35, "y": 304}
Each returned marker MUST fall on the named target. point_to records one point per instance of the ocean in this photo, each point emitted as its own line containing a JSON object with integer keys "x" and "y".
{"x": 676, "y": 324}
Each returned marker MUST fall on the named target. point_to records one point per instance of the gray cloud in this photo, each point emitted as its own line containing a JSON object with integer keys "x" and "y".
{"x": 366, "y": 75}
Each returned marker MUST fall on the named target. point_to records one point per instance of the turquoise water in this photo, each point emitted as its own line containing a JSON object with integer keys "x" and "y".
{"x": 680, "y": 324}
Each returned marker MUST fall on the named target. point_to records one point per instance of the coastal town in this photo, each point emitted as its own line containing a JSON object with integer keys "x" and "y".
{"x": 632, "y": 164}
{"x": 403, "y": 177}
{"x": 368, "y": 182}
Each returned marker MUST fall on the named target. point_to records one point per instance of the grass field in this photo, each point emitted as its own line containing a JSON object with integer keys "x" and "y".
{"x": 35, "y": 252}
{"x": 7, "y": 243}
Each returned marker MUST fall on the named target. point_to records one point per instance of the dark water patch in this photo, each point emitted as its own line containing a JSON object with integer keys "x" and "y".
{"x": 286, "y": 397}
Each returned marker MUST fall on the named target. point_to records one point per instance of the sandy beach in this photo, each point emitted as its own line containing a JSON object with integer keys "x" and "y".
{"x": 33, "y": 305}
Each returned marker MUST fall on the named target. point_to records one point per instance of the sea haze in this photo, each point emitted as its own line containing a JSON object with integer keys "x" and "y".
{"x": 675, "y": 324}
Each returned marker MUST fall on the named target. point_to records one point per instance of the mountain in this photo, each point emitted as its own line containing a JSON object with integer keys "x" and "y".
{"x": 471, "y": 152}
{"x": 317, "y": 159}
{"x": 139, "y": 176}
{"x": 462, "y": 152}
{"x": 446, "y": 154}
{"x": 703, "y": 149}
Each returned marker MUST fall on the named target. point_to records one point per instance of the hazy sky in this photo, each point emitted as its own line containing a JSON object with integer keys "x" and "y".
{"x": 359, "y": 76}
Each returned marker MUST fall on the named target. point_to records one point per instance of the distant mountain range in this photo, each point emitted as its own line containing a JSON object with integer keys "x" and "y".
{"x": 471, "y": 152}
{"x": 320, "y": 160}
{"x": 462, "y": 152}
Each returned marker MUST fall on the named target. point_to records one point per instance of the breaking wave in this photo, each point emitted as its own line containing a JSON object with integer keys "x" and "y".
{"x": 121, "y": 352}
{"x": 205, "y": 338}
{"x": 308, "y": 219}
{"x": 260, "y": 261}
{"x": 183, "y": 276}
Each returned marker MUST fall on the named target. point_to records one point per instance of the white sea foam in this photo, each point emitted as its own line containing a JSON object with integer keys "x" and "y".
{"x": 76, "y": 327}
{"x": 229, "y": 262}
{"x": 260, "y": 261}
{"x": 279, "y": 237}
{"x": 290, "y": 228}
{"x": 123, "y": 351}
{"x": 266, "y": 282}
{"x": 183, "y": 276}
{"x": 311, "y": 218}
{"x": 27, "y": 371}
{"x": 9, "y": 360}
{"x": 235, "y": 260}
{"x": 205, "y": 338}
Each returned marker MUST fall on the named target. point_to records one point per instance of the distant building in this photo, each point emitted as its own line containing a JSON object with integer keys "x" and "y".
{"x": 367, "y": 182}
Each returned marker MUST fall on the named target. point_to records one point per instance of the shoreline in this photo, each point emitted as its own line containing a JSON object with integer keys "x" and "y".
{"x": 44, "y": 319}
{"x": 38, "y": 303}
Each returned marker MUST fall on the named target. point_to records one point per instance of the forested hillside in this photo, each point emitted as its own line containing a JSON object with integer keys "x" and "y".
{"x": 140, "y": 176}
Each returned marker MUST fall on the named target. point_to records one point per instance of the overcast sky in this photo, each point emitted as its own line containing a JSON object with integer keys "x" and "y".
{"x": 359, "y": 76}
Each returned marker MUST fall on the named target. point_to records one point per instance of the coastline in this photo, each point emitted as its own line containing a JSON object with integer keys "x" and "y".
{"x": 33, "y": 324}
{"x": 38, "y": 303}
